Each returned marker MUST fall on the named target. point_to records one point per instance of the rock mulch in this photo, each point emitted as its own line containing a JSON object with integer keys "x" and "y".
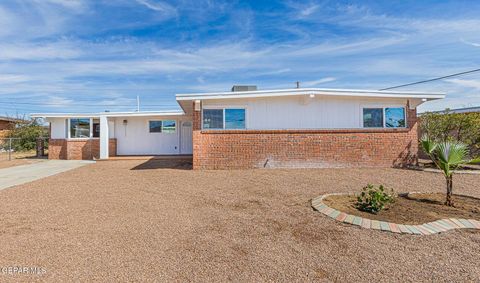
{"x": 430, "y": 228}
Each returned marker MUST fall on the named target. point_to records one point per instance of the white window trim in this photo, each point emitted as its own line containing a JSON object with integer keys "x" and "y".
{"x": 216, "y": 107}
{"x": 69, "y": 132}
{"x": 161, "y": 120}
{"x": 383, "y": 107}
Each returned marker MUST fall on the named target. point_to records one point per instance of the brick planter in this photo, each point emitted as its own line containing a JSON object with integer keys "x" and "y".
{"x": 73, "y": 149}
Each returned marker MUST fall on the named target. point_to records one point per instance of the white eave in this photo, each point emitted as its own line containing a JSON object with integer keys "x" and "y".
{"x": 310, "y": 91}
{"x": 108, "y": 114}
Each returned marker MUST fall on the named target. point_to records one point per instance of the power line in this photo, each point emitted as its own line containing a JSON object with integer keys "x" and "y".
{"x": 434, "y": 79}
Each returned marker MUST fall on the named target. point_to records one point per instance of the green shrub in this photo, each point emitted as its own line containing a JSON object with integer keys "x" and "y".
{"x": 25, "y": 135}
{"x": 373, "y": 199}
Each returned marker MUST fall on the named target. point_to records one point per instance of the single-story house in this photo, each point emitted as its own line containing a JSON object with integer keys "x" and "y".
{"x": 475, "y": 109}
{"x": 249, "y": 128}
{"x": 8, "y": 123}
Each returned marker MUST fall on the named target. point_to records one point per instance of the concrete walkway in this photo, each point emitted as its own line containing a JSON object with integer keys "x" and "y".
{"x": 22, "y": 174}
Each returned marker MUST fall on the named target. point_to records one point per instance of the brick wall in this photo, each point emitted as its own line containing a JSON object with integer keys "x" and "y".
{"x": 78, "y": 149}
{"x": 305, "y": 148}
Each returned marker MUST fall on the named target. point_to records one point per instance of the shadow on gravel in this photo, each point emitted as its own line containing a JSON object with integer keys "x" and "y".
{"x": 151, "y": 164}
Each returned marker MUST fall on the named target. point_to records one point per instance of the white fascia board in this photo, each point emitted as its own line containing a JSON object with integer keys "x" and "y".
{"x": 107, "y": 114}
{"x": 309, "y": 91}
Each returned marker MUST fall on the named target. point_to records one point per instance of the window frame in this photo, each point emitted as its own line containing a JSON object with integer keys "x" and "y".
{"x": 383, "y": 107}
{"x": 223, "y": 108}
{"x": 69, "y": 130}
{"x": 161, "y": 128}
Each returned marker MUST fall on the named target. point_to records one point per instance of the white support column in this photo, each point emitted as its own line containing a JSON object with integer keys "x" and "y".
{"x": 104, "y": 139}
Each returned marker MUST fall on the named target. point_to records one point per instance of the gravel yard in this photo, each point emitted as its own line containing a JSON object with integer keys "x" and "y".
{"x": 126, "y": 220}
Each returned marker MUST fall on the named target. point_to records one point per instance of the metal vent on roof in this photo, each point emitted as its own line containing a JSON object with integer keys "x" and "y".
{"x": 244, "y": 88}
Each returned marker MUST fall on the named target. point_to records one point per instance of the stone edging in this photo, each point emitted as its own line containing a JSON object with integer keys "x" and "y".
{"x": 430, "y": 228}
{"x": 434, "y": 170}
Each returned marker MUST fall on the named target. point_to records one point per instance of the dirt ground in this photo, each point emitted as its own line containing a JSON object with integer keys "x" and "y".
{"x": 412, "y": 209}
{"x": 18, "y": 158}
{"x": 16, "y": 162}
{"x": 127, "y": 221}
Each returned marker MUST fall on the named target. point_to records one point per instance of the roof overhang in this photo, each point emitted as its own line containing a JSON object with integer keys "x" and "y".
{"x": 108, "y": 114}
{"x": 309, "y": 91}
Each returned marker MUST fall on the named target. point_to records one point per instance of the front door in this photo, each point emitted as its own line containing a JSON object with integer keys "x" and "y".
{"x": 186, "y": 137}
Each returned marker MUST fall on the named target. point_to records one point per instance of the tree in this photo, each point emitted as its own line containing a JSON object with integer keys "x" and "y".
{"x": 447, "y": 126}
{"x": 447, "y": 156}
{"x": 25, "y": 135}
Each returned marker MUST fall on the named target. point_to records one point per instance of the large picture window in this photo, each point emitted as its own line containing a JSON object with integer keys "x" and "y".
{"x": 373, "y": 117}
{"x": 388, "y": 117}
{"x": 213, "y": 118}
{"x": 234, "y": 118}
{"x": 168, "y": 126}
{"x": 80, "y": 128}
{"x": 395, "y": 117}
{"x": 162, "y": 126}
{"x": 226, "y": 118}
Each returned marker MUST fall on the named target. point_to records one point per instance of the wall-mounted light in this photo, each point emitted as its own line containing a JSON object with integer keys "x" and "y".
{"x": 312, "y": 95}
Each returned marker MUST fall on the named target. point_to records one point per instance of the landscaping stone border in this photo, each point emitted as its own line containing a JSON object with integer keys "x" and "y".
{"x": 434, "y": 170}
{"x": 430, "y": 228}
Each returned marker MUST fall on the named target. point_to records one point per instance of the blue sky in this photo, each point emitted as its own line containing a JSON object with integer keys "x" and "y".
{"x": 95, "y": 55}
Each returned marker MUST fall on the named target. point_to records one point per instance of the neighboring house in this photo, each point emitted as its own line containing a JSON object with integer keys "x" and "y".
{"x": 460, "y": 110}
{"x": 7, "y": 123}
{"x": 304, "y": 127}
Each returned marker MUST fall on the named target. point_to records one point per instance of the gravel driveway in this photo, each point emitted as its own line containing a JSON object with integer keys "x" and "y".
{"x": 120, "y": 220}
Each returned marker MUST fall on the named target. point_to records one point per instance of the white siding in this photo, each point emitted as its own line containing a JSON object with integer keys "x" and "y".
{"x": 304, "y": 112}
{"x": 134, "y": 138}
{"x": 58, "y": 128}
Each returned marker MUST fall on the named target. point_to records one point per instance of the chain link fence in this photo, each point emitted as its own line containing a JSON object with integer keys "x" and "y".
{"x": 10, "y": 149}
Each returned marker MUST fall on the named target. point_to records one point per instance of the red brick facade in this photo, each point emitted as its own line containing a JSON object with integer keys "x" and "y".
{"x": 78, "y": 149}
{"x": 304, "y": 148}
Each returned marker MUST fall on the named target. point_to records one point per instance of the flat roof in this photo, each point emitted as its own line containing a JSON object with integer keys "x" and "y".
{"x": 108, "y": 114}
{"x": 310, "y": 91}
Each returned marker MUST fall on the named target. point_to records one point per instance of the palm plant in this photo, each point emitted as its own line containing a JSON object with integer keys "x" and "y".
{"x": 447, "y": 156}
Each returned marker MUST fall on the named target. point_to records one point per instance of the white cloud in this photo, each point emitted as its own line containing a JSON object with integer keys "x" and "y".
{"x": 466, "y": 83}
{"x": 317, "y": 82}
{"x": 158, "y": 6}
{"x": 309, "y": 10}
{"x": 38, "y": 51}
{"x": 9, "y": 78}
{"x": 70, "y": 4}
{"x": 470, "y": 43}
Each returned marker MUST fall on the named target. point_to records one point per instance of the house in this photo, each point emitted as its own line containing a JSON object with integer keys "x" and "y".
{"x": 249, "y": 128}
{"x": 7, "y": 123}
{"x": 475, "y": 109}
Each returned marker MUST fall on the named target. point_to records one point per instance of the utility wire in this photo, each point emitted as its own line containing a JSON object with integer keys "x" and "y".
{"x": 431, "y": 80}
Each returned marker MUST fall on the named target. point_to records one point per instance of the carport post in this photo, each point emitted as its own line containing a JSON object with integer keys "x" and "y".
{"x": 104, "y": 140}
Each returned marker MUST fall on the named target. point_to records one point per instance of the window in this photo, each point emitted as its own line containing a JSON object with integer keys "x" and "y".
{"x": 234, "y": 118}
{"x": 155, "y": 126}
{"x": 213, "y": 118}
{"x": 388, "y": 117}
{"x": 373, "y": 117}
{"x": 167, "y": 126}
{"x": 96, "y": 128}
{"x": 395, "y": 117}
{"x": 219, "y": 119}
{"x": 80, "y": 128}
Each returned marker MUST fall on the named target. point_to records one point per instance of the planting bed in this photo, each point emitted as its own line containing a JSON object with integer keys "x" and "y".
{"x": 412, "y": 208}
